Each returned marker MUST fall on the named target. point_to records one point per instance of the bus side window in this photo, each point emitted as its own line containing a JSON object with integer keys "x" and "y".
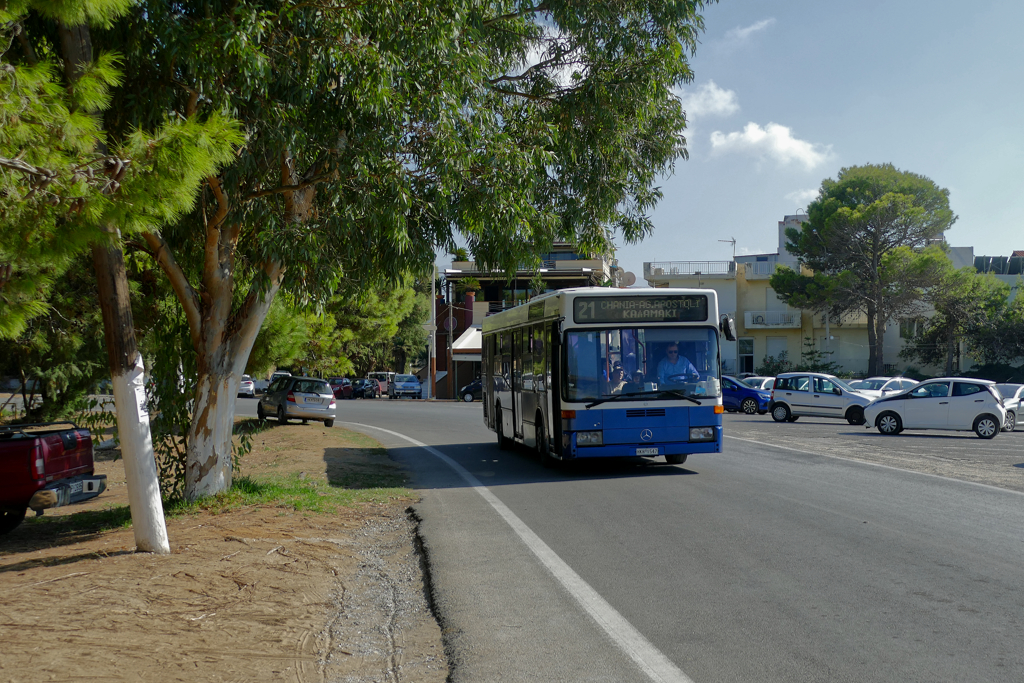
{"x": 528, "y": 360}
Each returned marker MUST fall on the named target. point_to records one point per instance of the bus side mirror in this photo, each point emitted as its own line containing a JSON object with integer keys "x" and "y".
{"x": 728, "y": 327}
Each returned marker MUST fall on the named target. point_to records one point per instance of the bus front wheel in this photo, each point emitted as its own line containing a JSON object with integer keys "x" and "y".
{"x": 675, "y": 458}
{"x": 542, "y": 444}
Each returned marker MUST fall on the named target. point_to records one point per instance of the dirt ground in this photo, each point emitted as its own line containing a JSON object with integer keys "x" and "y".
{"x": 257, "y": 593}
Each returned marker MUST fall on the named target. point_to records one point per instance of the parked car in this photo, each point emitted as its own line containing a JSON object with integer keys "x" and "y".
{"x": 815, "y": 393}
{"x": 303, "y": 398}
{"x": 876, "y": 387}
{"x": 764, "y": 383}
{"x": 737, "y": 396}
{"x": 44, "y": 466}
{"x": 341, "y": 386}
{"x": 474, "y": 391}
{"x": 1013, "y": 395}
{"x": 405, "y": 385}
{"x": 247, "y": 387}
{"x": 953, "y": 403}
{"x": 365, "y": 388}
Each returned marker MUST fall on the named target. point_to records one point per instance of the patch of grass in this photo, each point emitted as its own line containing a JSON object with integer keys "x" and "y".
{"x": 295, "y": 493}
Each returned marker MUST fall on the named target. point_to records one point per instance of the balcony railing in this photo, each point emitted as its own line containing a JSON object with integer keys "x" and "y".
{"x": 767, "y": 319}
{"x": 669, "y": 268}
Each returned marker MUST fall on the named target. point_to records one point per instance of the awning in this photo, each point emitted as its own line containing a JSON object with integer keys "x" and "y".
{"x": 467, "y": 347}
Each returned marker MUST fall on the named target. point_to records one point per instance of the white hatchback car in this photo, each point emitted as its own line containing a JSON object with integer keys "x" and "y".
{"x": 955, "y": 403}
{"x": 1013, "y": 396}
{"x": 876, "y": 387}
{"x": 818, "y": 394}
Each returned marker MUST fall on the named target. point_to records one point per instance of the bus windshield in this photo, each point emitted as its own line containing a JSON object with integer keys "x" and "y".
{"x": 607, "y": 363}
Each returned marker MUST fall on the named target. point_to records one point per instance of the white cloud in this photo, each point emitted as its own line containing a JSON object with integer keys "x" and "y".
{"x": 802, "y": 197}
{"x": 740, "y": 34}
{"x": 772, "y": 141}
{"x": 709, "y": 100}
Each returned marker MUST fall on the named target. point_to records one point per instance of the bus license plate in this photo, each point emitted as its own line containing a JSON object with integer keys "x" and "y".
{"x": 647, "y": 451}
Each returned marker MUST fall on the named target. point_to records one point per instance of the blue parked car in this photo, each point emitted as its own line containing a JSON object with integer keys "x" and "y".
{"x": 737, "y": 396}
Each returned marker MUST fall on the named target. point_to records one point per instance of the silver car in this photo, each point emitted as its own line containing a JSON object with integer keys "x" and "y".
{"x": 303, "y": 398}
{"x": 1013, "y": 396}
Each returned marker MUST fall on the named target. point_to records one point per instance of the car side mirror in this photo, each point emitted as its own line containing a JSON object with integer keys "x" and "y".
{"x": 837, "y": 391}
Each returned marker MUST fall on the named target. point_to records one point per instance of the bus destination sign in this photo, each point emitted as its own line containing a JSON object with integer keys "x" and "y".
{"x": 641, "y": 309}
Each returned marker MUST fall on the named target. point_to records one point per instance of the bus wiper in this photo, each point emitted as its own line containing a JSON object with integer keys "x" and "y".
{"x": 632, "y": 394}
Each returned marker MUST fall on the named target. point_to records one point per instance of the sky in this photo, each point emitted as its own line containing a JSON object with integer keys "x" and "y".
{"x": 787, "y": 93}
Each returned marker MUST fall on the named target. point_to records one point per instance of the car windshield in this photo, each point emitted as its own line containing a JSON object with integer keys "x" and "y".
{"x": 406, "y": 378}
{"x": 841, "y": 384}
{"x": 871, "y": 384}
{"x": 607, "y": 363}
{"x": 1008, "y": 390}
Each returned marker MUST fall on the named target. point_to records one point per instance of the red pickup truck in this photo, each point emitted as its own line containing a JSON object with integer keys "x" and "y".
{"x": 44, "y": 466}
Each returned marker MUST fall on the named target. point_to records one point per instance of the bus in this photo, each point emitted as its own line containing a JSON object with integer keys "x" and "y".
{"x": 598, "y": 373}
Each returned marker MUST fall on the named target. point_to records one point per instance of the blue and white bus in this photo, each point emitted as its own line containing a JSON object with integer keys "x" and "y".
{"x": 597, "y": 373}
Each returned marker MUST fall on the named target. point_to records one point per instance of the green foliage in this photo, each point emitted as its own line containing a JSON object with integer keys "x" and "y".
{"x": 813, "y": 359}
{"x": 967, "y": 305}
{"x": 467, "y": 284}
{"x": 63, "y": 350}
{"x": 774, "y": 365}
{"x": 281, "y": 339}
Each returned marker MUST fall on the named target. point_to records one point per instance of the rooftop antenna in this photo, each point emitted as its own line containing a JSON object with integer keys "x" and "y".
{"x": 731, "y": 240}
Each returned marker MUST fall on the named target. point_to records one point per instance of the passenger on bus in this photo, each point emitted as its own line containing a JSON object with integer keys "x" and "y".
{"x": 636, "y": 383}
{"x": 676, "y": 369}
{"x": 616, "y": 382}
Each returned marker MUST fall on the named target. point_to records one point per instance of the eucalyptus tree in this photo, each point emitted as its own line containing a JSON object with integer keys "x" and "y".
{"x": 872, "y": 241}
{"x": 380, "y": 131}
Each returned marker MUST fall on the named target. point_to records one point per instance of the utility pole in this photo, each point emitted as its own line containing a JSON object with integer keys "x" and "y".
{"x": 126, "y": 368}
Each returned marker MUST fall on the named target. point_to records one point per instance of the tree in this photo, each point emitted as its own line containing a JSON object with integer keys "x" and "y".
{"x": 867, "y": 240}
{"x": 144, "y": 182}
{"x": 967, "y": 305}
{"x": 360, "y": 160}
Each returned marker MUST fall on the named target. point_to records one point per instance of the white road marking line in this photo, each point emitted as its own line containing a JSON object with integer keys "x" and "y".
{"x": 875, "y": 464}
{"x": 651, "y": 661}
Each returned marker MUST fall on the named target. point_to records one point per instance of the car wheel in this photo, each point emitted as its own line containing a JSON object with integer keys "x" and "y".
{"x": 749, "y": 406}
{"x": 503, "y": 443}
{"x": 987, "y": 426}
{"x": 676, "y": 458}
{"x": 328, "y": 423}
{"x": 780, "y": 413}
{"x": 855, "y": 415}
{"x": 282, "y": 417}
{"x": 467, "y": 397}
{"x": 11, "y": 518}
{"x": 1011, "y": 421}
{"x": 889, "y": 424}
{"x": 260, "y": 415}
{"x": 792, "y": 418}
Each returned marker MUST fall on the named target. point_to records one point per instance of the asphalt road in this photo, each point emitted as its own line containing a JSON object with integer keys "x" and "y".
{"x": 811, "y": 551}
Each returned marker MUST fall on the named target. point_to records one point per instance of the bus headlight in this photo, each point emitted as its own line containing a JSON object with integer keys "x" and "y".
{"x": 589, "y": 439}
{"x": 702, "y": 433}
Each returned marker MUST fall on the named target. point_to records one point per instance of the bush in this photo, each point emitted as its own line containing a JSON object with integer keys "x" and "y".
{"x": 774, "y": 366}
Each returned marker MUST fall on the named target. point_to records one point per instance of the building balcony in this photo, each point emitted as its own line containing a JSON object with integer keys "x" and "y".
{"x": 665, "y": 270}
{"x": 769, "y": 320}
{"x": 759, "y": 270}
{"x": 854, "y": 320}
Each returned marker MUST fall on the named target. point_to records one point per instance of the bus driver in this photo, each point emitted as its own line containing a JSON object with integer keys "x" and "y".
{"x": 675, "y": 369}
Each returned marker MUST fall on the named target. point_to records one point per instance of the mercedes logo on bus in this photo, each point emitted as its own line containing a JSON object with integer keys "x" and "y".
{"x": 646, "y": 435}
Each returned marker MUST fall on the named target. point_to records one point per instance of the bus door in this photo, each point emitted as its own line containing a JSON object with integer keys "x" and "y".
{"x": 517, "y": 383}
{"x": 554, "y": 355}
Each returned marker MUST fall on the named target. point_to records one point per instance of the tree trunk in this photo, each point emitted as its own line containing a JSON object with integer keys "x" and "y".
{"x": 872, "y": 341}
{"x": 126, "y": 369}
{"x": 221, "y": 363}
{"x": 950, "y": 350}
{"x": 879, "y": 348}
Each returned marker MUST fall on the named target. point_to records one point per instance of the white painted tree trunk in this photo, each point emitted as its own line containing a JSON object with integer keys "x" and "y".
{"x": 209, "y": 439}
{"x": 139, "y": 461}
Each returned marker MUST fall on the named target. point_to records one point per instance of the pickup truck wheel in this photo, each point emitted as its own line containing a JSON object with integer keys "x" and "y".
{"x": 10, "y": 518}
